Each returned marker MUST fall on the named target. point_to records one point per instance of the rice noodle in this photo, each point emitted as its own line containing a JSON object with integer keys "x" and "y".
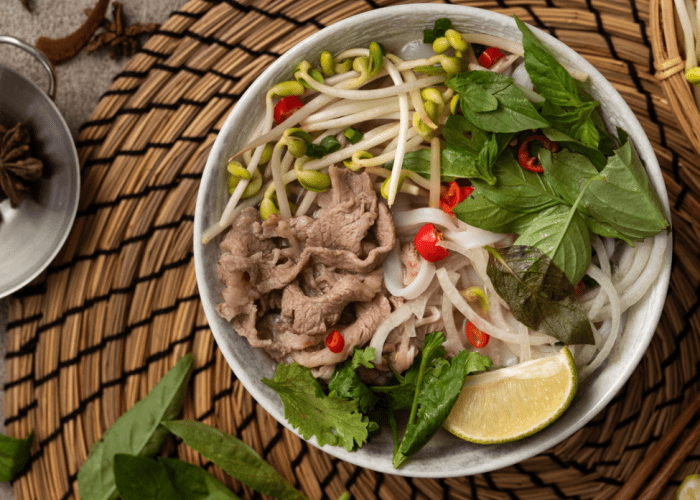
{"x": 393, "y": 276}
{"x": 453, "y": 344}
{"x": 615, "y": 317}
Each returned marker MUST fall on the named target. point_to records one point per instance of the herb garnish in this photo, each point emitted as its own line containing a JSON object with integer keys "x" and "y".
{"x": 14, "y": 455}
{"x": 429, "y": 388}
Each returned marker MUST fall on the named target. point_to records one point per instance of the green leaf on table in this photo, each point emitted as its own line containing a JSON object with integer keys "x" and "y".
{"x": 538, "y": 293}
{"x": 346, "y": 383}
{"x": 562, "y": 235}
{"x": 437, "y": 390}
{"x": 513, "y": 111}
{"x": 332, "y": 419}
{"x": 137, "y": 432}
{"x": 14, "y": 454}
{"x": 625, "y": 199}
{"x": 233, "y": 456}
{"x": 143, "y": 478}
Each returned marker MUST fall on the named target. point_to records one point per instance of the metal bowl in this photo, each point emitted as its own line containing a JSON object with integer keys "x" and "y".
{"x": 33, "y": 233}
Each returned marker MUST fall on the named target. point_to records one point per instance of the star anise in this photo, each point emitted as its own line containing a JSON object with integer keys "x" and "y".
{"x": 18, "y": 170}
{"x": 122, "y": 40}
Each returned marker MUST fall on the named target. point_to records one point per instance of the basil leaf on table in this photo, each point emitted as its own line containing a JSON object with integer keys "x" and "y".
{"x": 143, "y": 478}
{"x": 14, "y": 454}
{"x": 196, "y": 482}
{"x": 137, "y": 432}
{"x": 235, "y": 457}
{"x": 538, "y": 293}
{"x": 438, "y": 388}
{"x": 562, "y": 235}
{"x": 513, "y": 111}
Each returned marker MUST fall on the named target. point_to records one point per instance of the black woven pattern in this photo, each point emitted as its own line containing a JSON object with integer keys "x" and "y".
{"x": 585, "y": 457}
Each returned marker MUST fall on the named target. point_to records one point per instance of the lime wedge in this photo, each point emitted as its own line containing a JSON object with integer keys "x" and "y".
{"x": 514, "y": 402}
{"x": 689, "y": 488}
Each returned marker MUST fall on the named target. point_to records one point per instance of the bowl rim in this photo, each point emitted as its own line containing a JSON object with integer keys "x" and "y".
{"x": 74, "y": 167}
{"x": 555, "y": 433}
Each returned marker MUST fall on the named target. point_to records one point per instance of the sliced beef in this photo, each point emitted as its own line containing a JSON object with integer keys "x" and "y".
{"x": 287, "y": 283}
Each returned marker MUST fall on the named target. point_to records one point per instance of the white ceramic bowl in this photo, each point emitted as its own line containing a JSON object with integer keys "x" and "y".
{"x": 445, "y": 455}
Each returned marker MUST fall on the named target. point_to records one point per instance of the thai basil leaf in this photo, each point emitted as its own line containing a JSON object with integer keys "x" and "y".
{"x": 514, "y": 112}
{"x": 561, "y": 234}
{"x": 137, "y": 432}
{"x": 564, "y": 107}
{"x": 436, "y": 394}
{"x": 567, "y": 172}
{"x": 539, "y": 293}
{"x": 196, "y": 482}
{"x": 595, "y": 155}
{"x": 479, "y": 211}
{"x": 142, "y": 478}
{"x": 332, "y": 419}
{"x": 346, "y": 383}
{"x": 517, "y": 189}
{"x": 461, "y": 134}
{"x": 473, "y": 95}
{"x": 626, "y": 199}
{"x": 235, "y": 457}
{"x": 14, "y": 454}
{"x": 550, "y": 78}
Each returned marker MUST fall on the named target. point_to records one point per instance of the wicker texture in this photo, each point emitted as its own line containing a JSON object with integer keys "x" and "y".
{"x": 119, "y": 305}
{"x": 669, "y": 61}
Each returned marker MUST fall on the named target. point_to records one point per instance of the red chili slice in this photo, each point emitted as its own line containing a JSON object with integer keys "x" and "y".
{"x": 489, "y": 57}
{"x": 476, "y": 337}
{"x": 453, "y": 195}
{"x": 335, "y": 342}
{"x": 426, "y": 242}
{"x": 530, "y": 162}
{"x": 286, "y": 107}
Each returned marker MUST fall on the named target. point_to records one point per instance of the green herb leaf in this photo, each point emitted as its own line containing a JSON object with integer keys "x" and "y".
{"x": 595, "y": 155}
{"x": 513, "y": 113}
{"x": 346, "y": 383}
{"x": 195, "y": 482}
{"x": 539, "y": 293}
{"x": 561, "y": 234}
{"x": 472, "y": 95}
{"x": 14, "y": 454}
{"x": 436, "y": 394}
{"x": 333, "y": 420}
{"x": 137, "y": 432}
{"x": 550, "y": 78}
{"x": 142, "y": 478}
{"x": 479, "y": 211}
{"x": 235, "y": 457}
{"x": 626, "y": 199}
{"x": 517, "y": 189}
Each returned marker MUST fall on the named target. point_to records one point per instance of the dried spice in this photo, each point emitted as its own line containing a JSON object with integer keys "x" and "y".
{"x": 61, "y": 49}
{"x": 19, "y": 172}
{"x": 26, "y": 5}
{"x": 121, "y": 39}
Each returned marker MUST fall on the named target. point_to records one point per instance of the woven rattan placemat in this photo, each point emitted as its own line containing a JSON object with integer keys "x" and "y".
{"x": 119, "y": 305}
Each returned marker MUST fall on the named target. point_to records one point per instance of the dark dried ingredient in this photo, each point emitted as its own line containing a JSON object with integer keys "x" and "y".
{"x": 18, "y": 170}
{"x": 26, "y": 5}
{"x": 121, "y": 39}
{"x": 62, "y": 49}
